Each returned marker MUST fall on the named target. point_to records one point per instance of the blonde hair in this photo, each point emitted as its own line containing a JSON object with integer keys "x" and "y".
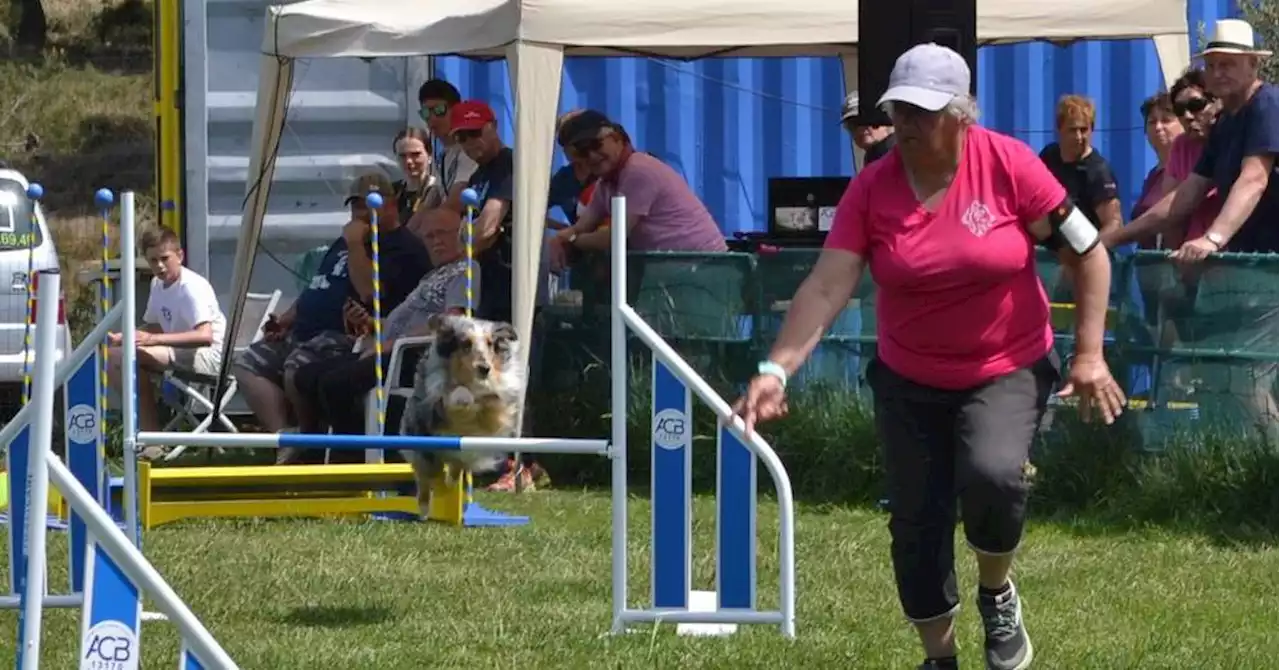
{"x": 1076, "y": 107}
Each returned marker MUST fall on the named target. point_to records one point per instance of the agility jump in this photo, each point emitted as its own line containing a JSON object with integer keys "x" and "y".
{"x": 116, "y": 571}
{"x": 84, "y": 400}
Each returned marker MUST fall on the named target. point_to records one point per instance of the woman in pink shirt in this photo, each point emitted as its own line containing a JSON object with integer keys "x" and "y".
{"x": 947, "y": 223}
{"x": 1163, "y": 129}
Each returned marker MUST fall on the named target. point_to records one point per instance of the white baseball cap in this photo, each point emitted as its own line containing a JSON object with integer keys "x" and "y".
{"x": 928, "y": 76}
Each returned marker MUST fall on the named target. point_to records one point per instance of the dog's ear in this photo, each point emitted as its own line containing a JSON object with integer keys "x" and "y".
{"x": 442, "y": 328}
{"x": 504, "y": 336}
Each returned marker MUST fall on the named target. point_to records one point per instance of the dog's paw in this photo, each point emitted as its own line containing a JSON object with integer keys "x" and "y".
{"x": 461, "y": 396}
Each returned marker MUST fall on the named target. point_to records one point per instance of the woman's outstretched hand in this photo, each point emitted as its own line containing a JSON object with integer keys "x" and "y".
{"x": 766, "y": 400}
{"x": 1091, "y": 380}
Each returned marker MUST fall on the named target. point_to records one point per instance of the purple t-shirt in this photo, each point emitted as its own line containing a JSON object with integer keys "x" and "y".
{"x": 670, "y": 216}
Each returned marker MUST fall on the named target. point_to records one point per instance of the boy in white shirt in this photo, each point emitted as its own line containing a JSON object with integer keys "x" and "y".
{"x": 183, "y": 326}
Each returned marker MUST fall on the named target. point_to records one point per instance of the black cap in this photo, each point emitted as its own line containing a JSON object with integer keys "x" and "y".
{"x": 584, "y": 125}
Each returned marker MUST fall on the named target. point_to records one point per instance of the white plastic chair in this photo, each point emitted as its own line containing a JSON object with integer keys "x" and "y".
{"x": 195, "y": 405}
{"x": 395, "y": 366}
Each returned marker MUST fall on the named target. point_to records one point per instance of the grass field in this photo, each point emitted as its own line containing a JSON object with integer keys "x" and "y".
{"x": 354, "y": 594}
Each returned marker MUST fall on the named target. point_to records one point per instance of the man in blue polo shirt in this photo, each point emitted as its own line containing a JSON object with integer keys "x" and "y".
{"x": 1240, "y": 160}
{"x": 1240, "y": 156}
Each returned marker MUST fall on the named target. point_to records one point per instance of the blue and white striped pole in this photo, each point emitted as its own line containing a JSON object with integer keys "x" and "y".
{"x": 543, "y": 445}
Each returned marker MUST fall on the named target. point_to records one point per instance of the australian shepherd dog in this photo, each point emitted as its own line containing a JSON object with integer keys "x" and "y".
{"x": 467, "y": 384}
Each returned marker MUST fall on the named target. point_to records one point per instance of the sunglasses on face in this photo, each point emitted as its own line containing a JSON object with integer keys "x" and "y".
{"x": 464, "y": 135}
{"x": 434, "y": 110}
{"x": 1190, "y": 106}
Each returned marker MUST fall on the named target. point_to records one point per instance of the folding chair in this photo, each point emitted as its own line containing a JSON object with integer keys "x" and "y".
{"x": 194, "y": 406}
{"x": 395, "y": 368}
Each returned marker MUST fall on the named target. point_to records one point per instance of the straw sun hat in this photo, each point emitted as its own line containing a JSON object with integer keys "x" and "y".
{"x": 1232, "y": 36}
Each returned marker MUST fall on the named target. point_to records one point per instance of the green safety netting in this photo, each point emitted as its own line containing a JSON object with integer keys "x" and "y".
{"x": 1193, "y": 348}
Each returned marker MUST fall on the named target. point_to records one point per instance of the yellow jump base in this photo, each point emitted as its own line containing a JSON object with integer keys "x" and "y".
{"x": 169, "y": 494}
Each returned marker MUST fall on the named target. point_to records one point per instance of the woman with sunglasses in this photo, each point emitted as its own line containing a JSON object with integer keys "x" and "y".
{"x": 947, "y": 223}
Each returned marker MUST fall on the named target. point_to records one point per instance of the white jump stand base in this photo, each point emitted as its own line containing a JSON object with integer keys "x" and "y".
{"x": 699, "y": 601}
{"x": 705, "y": 601}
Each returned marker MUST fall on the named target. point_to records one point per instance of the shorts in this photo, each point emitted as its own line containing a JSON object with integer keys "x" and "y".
{"x": 273, "y": 359}
{"x": 205, "y": 361}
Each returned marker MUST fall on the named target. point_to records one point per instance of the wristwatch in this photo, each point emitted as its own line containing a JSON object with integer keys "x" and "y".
{"x": 774, "y": 370}
{"x": 1218, "y": 240}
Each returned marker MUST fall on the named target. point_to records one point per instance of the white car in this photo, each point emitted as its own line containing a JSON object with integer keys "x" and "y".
{"x": 25, "y": 243}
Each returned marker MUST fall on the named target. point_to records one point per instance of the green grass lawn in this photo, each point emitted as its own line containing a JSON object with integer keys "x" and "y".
{"x": 356, "y": 594}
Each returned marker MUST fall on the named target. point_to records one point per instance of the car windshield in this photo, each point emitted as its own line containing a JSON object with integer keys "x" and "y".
{"x": 17, "y": 230}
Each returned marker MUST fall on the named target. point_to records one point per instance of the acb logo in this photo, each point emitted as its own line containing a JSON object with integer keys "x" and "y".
{"x": 82, "y": 424}
{"x": 670, "y": 428}
{"x": 110, "y": 645}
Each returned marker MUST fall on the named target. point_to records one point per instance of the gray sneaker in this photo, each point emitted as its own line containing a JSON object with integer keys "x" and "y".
{"x": 1008, "y": 646}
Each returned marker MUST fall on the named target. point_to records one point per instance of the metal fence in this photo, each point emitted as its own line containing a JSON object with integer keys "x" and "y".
{"x": 1194, "y": 347}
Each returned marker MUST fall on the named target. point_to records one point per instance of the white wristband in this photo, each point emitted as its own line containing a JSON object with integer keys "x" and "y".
{"x": 773, "y": 369}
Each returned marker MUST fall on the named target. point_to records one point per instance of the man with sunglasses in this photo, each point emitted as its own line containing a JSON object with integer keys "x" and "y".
{"x": 453, "y": 168}
{"x": 475, "y": 130}
{"x": 663, "y": 214}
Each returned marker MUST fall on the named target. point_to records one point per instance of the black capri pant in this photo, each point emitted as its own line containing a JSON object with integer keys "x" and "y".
{"x": 941, "y": 446}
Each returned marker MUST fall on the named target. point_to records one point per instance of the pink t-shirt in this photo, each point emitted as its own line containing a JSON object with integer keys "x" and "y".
{"x": 958, "y": 300}
{"x": 671, "y": 217}
{"x": 1183, "y": 156}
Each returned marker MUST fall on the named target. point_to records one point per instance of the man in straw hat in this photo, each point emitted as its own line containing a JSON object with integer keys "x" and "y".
{"x": 1239, "y": 158}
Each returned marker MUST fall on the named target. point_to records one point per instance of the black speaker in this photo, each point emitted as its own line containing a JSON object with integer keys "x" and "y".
{"x": 887, "y": 30}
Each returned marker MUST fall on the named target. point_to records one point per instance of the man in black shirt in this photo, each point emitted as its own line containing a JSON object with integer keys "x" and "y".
{"x": 1081, "y": 170}
{"x": 872, "y": 133}
{"x": 309, "y": 335}
{"x": 475, "y": 129}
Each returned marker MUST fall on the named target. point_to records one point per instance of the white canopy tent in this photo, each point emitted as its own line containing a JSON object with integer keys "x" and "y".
{"x": 535, "y": 36}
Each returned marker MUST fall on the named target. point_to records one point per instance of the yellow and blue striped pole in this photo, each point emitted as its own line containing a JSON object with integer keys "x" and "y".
{"x": 34, "y": 193}
{"x": 374, "y": 201}
{"x": 471, "y": 200}
{"x": 104, "y": 199}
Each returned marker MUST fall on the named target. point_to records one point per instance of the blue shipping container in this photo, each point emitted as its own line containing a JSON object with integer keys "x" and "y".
{"x": 728, "y": 125}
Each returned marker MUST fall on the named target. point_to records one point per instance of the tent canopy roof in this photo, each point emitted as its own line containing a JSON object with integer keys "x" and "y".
{"x": 667, "y": 28}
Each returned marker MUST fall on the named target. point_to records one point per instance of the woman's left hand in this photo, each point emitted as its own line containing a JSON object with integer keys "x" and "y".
{"x": 1091, "y": 380}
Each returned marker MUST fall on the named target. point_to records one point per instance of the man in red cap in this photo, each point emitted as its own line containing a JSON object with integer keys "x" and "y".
{"x": 475, "y": 129}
